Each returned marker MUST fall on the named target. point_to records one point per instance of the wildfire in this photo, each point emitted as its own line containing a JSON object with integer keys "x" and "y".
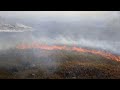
{"x": 77, "y": 49}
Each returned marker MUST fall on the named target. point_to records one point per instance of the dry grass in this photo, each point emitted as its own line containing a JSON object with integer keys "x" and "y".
{"x": 68, "y": 65}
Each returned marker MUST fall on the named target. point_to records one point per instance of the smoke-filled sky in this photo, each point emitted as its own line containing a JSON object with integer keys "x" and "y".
{"x": 96, "y": 29}
{"x": 58, "y": 14}
{"x": 51, "y": 13}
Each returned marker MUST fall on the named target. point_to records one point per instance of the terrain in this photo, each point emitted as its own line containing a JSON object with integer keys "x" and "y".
{"x": 56, "y": 64}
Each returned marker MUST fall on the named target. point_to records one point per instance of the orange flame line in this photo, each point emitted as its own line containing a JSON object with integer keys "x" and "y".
{"x": 54, "y": 47}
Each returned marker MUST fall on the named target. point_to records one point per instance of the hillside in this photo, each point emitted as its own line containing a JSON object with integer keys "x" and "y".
{"x": 57, "y": 64}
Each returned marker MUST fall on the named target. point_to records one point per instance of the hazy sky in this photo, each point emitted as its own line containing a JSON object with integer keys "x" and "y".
{"x": 99, "y": 29}
{"x": 37, "y": 14}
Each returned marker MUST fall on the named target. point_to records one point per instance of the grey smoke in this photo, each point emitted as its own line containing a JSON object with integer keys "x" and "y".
{"x": 101, "y": 31}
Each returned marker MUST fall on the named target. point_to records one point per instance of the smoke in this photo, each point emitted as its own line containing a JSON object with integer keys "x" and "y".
{"x": 99, "y": 30}
{"x": 110, "y": 46}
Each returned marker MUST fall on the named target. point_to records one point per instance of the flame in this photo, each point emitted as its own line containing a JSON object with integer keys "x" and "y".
{"x": 77, "y": 49}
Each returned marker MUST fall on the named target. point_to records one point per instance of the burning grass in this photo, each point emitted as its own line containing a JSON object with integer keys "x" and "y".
{"x": 74, "y": 48}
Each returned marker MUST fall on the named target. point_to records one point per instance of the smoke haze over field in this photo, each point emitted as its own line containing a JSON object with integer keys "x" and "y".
{"x": 94, "y": 29}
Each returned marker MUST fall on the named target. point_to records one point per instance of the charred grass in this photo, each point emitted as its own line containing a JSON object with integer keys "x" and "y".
{"x": 68, "y": 65}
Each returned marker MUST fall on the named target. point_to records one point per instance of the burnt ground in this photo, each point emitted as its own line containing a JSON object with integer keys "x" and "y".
{"x": 42, "y": 64}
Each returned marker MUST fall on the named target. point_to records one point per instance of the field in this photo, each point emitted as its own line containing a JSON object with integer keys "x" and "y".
{"x": 57, "y": 64}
